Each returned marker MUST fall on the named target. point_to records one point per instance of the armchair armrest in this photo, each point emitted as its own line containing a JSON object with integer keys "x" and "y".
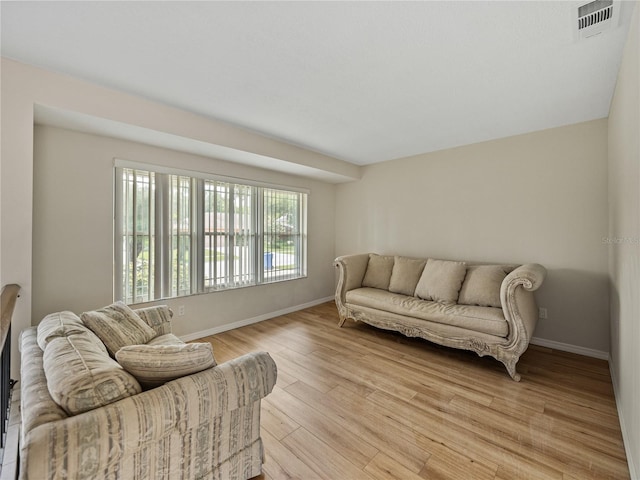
{"x": 157, "y": 317}
{"x": 153, "y": 425}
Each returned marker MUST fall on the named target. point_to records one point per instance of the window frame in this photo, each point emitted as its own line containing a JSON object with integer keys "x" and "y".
{"x": 197, "y": 257}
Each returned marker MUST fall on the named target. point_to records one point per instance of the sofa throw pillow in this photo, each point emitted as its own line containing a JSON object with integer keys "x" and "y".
{"x": 405, "y": 275}
{"x": 59, "y": 324}
{"x": 441, "y": 281}
{"x": 482, "y": 286}
{"x": 378, "y": 274}
{"x": 82, "y": 376}
{"x": 118, "y": 326}
{"x": 153, "y": 365}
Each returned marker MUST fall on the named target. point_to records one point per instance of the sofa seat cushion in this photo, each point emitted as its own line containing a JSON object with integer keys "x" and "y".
{"x": 81, "y": 375}
{"x": 481, "y": 319}
{"x": 154, "y": 365}
{"x": 118, "y": 326}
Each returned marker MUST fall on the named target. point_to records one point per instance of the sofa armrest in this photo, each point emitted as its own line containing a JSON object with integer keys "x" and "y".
{"x": 518, "y": 303}
{"x": 530, "y": 276}
{"x": 351, "y": 270}
{"x": 157, "y": 317}
{"x": 108, "y": 438}
{"x": 238, "y": 382}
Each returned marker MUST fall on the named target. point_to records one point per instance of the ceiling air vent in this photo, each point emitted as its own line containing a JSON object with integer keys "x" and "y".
{"x": 596, "y": 17}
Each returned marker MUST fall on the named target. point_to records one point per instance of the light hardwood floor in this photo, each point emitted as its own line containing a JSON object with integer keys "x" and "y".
{"x": 361, "y": 403}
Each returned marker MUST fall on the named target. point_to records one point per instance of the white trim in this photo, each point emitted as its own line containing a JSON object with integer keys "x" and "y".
{"x": 625, "y": 436}
{"x": 567, "y": 347}
{"x": 249, "y": 321}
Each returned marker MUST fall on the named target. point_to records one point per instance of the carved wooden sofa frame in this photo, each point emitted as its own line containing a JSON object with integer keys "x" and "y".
{"x": 516, "y": 295}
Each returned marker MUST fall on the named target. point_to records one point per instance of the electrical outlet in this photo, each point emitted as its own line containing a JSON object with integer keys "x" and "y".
{"x": 181, "y": 310}
{"x": 542, "y": 313}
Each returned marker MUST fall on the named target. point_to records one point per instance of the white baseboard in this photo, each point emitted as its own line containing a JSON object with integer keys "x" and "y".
{"x": 631, "y": 456}
{"x": 248, "y": 321}
{"x": 567, "y": 347}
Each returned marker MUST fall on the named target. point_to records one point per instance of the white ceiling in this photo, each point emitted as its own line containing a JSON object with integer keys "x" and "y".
{"x": 360, "y": 81}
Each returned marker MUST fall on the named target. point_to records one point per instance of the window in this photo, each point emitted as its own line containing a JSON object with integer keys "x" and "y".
{"x": 178, "y": 234}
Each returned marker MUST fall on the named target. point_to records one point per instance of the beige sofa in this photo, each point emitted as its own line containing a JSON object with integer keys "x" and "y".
{"x": 86, "y": 417}
{"x": 488, "y": 309}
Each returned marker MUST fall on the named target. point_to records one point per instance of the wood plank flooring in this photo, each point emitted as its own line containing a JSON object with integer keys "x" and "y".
{"x": 361, "y": 403}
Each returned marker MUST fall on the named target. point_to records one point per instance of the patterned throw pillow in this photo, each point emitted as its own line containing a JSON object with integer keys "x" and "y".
{"x": 153, "y": 365}
{"x": 118, "y": 326}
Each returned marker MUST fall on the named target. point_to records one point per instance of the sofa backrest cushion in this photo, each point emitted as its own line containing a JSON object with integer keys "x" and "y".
{"x": 405, "y": 275}
{"x": 441, "y": 281}
{"x": 118, "y": 326}
{"x": 82, "y": 376}
{"x": 59, "y": 324}
{"x": 378, "y": 274}
{"x": 482, "y": 286}
{"x": 153, "y": 365}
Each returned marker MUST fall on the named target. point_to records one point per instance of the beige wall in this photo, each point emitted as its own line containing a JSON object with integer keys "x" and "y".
{"x": 16, "y": 152}
{"x": 624, "y": 251}
{"x": 73, "y": 231}
{"x": 25, "y": 86}
{"x": 540, "y": 197}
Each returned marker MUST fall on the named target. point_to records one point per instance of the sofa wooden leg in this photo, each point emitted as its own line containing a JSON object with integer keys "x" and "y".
{"x": 341, "y": 321}
{"x": 511, "y": 368}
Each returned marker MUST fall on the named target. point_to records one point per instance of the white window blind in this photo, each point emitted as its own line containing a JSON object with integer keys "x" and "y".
{"x": 283, "y": 238}
{"x": 136, "y": 227}
{"x": 179, "y": 234}
{"x": 182, "y": 233}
